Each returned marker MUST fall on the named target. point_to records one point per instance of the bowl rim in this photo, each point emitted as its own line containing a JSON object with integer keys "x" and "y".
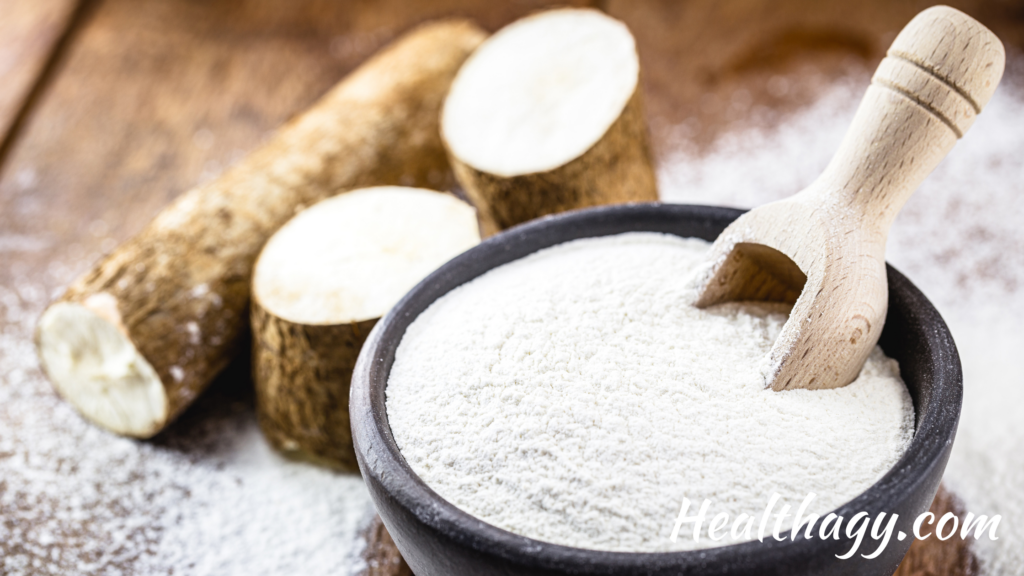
{"x": 380, "y": 458}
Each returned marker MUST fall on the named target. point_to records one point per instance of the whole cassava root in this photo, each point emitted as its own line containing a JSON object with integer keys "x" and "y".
{"x": 547, "y": 116}
{"x": 319, "y": 286}
{"x": 132, "y": 342}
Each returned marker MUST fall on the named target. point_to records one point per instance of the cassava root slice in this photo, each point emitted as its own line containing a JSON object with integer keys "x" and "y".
{"x": 131, "y": 343}
{"x": 547, "y": 116}
{"x": 320, "y": 285}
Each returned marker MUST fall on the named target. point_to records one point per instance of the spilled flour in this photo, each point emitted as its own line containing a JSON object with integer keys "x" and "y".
{"x": 206, "y": 497}
{"x": 574, "y": 396}
{"x": 959, "y": 239}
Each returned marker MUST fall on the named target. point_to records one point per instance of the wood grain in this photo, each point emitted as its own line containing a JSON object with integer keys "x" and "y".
{"x": 154, "y": 97}
{"x": 711, "y": 65}
{"x": 29, "y": 32}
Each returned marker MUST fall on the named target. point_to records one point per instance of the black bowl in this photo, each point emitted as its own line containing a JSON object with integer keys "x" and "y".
{"x": 438, "y": 539}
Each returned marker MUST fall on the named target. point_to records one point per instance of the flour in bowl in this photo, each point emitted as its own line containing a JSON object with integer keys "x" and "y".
{"x": 575, "y": 396}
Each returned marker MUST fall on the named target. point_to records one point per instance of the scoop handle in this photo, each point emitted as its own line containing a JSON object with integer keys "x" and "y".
{"x": 939, "y": 73}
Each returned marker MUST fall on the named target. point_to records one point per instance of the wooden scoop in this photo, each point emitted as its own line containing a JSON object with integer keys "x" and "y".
{"x": 823, "y": 249}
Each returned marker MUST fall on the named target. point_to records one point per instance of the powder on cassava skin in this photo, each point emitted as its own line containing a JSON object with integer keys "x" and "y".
{"x": 575, "y": 396}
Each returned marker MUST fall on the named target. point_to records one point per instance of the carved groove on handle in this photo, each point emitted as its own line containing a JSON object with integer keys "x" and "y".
{"x": 885, "y": 83}
{"x": 909, "y": 58}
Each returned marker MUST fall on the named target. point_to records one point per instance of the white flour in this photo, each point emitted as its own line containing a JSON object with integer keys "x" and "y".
{"x": 575, "y": 397}
{"x": 959, "y": 239}
{"x": 207, "y": 497}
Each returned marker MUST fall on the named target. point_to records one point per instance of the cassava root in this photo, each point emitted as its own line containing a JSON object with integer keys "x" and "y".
{"x": 132, "y": 342}
{"x": 547, "y": 116}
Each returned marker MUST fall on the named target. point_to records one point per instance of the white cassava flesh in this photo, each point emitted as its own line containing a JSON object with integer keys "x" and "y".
{"x": 320, "y": 285}
{"x": 94, "y": 365}
{"x": 351, "y": 257}
{"x": 135, "y": 340}
{"x": 547, "y": 116}
{"x": 541, "y": 92}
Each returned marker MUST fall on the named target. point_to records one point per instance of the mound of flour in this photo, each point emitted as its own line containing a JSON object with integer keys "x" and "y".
{"x": 574, "y": 396}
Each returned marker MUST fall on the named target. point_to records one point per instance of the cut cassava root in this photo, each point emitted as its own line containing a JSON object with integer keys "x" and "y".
{"x": 131, "y": 343}
{"x": 320, "y": 284}
{"x": 547, "y": 116}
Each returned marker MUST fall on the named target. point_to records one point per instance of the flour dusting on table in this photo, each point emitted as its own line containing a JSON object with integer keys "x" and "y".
{"x": 210, "y": 499}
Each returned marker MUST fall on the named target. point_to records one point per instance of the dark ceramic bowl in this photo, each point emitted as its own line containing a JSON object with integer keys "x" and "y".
{"x": 438, "y": 539}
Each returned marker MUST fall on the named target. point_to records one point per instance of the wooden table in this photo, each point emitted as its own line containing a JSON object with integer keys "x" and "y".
{"x": 109, "y": 109}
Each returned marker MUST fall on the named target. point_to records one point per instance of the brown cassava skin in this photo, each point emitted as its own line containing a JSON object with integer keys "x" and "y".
{"x": 194, "y": 262}
{"x": 616, "y": 169}
{"x": 302, "y": 374}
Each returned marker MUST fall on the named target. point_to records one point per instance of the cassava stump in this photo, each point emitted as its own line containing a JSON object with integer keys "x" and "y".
{"x": 302, "y": 374}
{"x": 132, "y": 342}
{"x": 547, "y": 116}
{"x": 319, "y": 286}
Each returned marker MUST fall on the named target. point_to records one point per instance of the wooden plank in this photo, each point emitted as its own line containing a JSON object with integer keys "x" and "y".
{"x": 29, "y": 31}
{"x": 709, "y": 65}
{"x": 155, "y": 97}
